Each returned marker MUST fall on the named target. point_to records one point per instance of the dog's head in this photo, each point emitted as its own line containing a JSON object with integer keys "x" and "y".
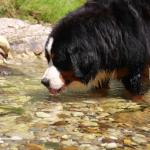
{"x": 59, "y": 72}
{"x": 72, "y": 50}
{"x": 70, "y": 57}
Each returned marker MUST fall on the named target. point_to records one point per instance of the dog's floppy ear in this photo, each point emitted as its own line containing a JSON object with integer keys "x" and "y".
{"x": 76, "y": 65}
{"x": 84, "y": 65}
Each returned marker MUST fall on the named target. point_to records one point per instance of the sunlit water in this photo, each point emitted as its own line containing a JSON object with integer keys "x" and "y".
{"x": 22, "y": 75}
{"x": 21, "y": 92}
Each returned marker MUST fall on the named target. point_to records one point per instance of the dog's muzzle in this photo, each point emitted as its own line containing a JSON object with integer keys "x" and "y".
{"x": 53, "y": 80}
{"x": 53, "y": 91}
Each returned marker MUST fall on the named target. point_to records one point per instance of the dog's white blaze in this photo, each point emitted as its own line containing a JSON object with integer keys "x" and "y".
{"x": 53, "y": 75}
{"x": 49, "y": 45}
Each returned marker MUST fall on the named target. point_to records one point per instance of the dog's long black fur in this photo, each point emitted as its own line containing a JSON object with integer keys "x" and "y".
{"x": 104, "y": 35}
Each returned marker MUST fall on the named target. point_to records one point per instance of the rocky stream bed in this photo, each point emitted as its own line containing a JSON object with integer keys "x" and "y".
{"x": 31, "y": 119}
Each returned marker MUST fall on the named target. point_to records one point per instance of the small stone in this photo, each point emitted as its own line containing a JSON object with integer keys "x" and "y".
{"x": 1, "y": 141}
{"x": 89, "y": 124}
{"x": 114, "y": 133}
{"x": 99, "y": 109}
{"x": 65, "y": 137}
{"x": 113, "y": 137}
{"x": 69, "y": 142}
{"x": 111, "y": 119}
{"x": 89, "y": 136}
{"x": 20, "y": 135}
{"x": 145, "y": 129}
{"x": 103, "y": 115}
{"x": 60, "y": 123}
{"x": 77, "y": 114}
{"x": 139, "y": 138}
{"x": 127, "y": 142}
{"x": 16, "y": 138}
{"x": 54, "y": 140}
{"x": 88, "y": 147}
{"x": 42, "y": 115}
{"x": 90, "y": 102}
{"x": 111, "y": 145}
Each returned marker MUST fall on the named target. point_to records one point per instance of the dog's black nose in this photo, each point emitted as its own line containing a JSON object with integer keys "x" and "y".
{"x": 45, "y": 82}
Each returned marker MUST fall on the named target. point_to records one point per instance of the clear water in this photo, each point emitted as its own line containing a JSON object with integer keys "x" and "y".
{"x": 21, "y": 93}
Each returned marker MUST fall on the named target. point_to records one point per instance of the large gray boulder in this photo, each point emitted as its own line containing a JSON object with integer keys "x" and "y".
{"x": 23, "y": 36}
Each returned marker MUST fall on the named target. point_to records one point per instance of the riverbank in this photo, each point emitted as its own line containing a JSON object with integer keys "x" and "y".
{"x": 36, "y": 10}
{"x": 23, "y": 36}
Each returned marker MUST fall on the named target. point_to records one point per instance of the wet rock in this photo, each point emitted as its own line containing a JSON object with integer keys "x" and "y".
{"x": 53, "y": 107}
{"x": 51, "y": 117}
{"x": 128, "y": 142}
{"x": 103, "y": 115}
{"x": 54, "y": 140}
{"x": 146, "y": 129}
{"x": 42, "y": 115}
{"x": 23, "y": 36}
{"x": 114, "y": 133}
{"x": 16, "y": 138}
{"x": 65, "y": 137}
{"x": 77, "y": 114}
{"x": 60, "y": 123}
{"x": 139, "y": 138}
{"x": 111, "y": 145}
{"x": 20, "y": 130}
{"x": 52, "y": 145}
{"x": 88, "y": 124}
{"x": 20, "y": 135}
{"x": 26, "y": 118}
{"x": 120, "y": 106}
{"x": 1, "y": 141}
{"x": 69, "y": 142}
{"x": 89, "y": 137}
{"x": 88, "y": 147}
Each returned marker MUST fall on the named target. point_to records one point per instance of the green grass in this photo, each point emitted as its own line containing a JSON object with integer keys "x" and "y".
{"x": 41, "y": 10}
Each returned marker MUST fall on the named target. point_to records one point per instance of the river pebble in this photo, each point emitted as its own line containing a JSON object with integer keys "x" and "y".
{"x": 139, "y": 138}
{"x": 77, "y": 114}
{"x": 111, "y": 145}
{"x": 42, "y": 115}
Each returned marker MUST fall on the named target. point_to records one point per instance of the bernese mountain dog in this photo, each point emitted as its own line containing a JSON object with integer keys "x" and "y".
{"x": 102, "y": 39}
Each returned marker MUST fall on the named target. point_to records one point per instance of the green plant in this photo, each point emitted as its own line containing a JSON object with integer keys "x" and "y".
{"x": 41, "y": 10}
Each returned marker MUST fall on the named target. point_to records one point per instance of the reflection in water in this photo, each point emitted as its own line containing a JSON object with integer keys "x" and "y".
{"x": 24, "y": 77}
{"x": 28, "y": 114}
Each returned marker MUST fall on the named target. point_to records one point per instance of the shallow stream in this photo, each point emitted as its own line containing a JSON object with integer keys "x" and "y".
{"x": 31, "y": 119}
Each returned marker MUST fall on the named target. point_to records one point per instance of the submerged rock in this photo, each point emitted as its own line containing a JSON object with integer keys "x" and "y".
{"x": 139, "y": 138}
{"x": 42, "y": 115}
{"x": 111, "y": 145}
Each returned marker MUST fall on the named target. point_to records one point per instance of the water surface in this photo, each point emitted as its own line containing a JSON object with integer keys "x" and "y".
{"x": 78, "y": 119}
